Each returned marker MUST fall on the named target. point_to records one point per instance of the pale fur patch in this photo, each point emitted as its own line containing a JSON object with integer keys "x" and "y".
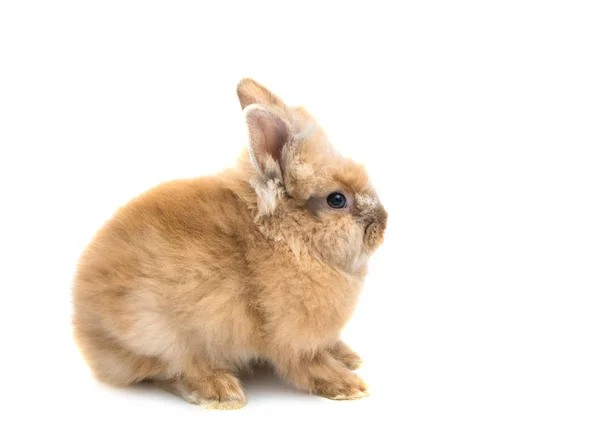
{"x": 267, "y": 193}
{"x": 360, "y": 262}
{"x": 366, "y": 202}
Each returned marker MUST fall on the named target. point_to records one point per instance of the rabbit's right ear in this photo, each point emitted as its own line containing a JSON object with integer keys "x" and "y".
{"x": 268, "y": 133}
{"x": 251, "y": 92}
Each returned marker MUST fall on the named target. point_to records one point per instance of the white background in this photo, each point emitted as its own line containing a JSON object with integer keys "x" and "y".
{"x": 479, "y": 122}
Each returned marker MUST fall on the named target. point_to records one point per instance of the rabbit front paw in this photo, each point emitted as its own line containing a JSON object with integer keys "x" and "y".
{"x": 218, "y": 391}
{"x": 348, "y": 386}
{"x": 322, "y": 374}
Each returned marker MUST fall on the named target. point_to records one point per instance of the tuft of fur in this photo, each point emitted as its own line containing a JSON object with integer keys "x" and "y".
{"x": 195, "y": 279}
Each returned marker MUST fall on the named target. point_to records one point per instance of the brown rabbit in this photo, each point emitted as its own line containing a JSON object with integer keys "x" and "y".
{"x": 195, "y": 279}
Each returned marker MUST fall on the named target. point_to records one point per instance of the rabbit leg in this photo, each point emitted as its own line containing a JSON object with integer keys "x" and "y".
{"x": 321, "y": 374}
{"x": 210, "y": 388}
{"x": 342, "y": 352}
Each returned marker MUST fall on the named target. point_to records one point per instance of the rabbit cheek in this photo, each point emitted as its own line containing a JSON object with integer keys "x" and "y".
{"x": 341, "y": 243}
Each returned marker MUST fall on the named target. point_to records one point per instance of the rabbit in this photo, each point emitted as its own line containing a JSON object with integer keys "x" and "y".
{"x": 195, "y": 280}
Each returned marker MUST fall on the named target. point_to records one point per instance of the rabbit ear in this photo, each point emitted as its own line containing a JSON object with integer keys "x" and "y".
{"x": 251, "y": 92}
{"x": 268, "y": 133}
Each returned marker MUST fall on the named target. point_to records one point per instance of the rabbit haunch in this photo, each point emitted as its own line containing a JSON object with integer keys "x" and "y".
{"x": 195, "y": 279}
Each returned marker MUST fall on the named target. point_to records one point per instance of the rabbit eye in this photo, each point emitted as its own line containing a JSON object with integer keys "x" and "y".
{"x": 336, "y": 200}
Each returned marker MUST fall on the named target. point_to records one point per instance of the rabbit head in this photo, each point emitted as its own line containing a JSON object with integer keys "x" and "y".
{"x": 308, "y": 195}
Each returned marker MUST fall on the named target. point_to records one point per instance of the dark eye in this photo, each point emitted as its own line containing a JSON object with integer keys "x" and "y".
{"x": 336, "y": 200}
